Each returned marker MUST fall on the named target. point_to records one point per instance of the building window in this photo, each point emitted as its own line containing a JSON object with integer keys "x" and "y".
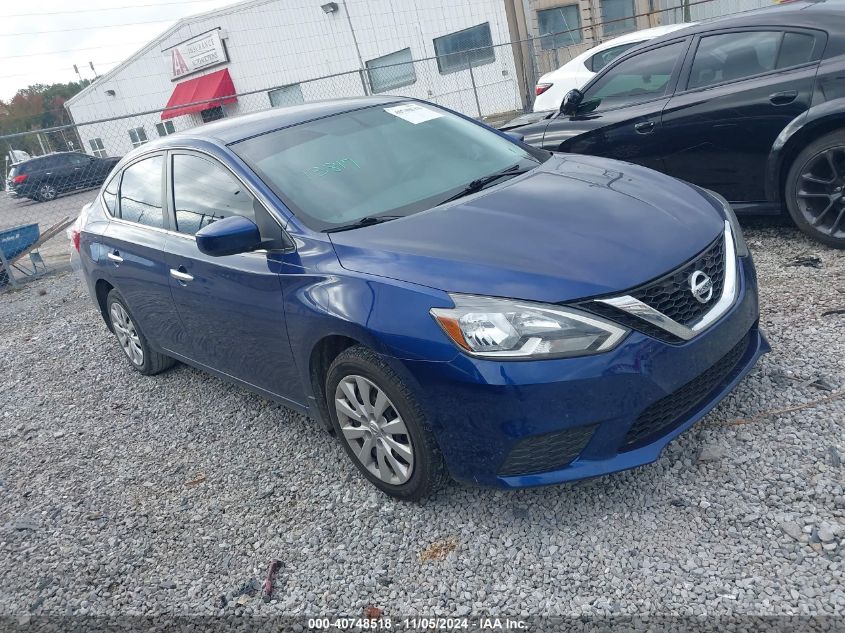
{"x": 138, "y": 136}
{"x": 621, "y": 10}
{"x": 165, "y": 127}
{"x": 97, "y": 147}
{"x": 559, "y": 27}
{"x": 286, "y": 96}
{"x": 470, "y": 47}
{"x": 212, "y": 114}
{"x": 391, "y": 71}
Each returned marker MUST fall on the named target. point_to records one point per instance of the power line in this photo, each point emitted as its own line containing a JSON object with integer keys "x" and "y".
{"x": 73, "y": 50}
{"x": 29, "y": 74}
{"x": 121, "y": 8}
{"x": 88, "y": 28}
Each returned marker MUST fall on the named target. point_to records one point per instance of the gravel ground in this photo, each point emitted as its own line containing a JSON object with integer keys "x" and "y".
{"x": 126, "y": 495}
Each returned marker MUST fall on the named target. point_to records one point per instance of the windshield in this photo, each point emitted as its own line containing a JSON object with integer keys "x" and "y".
{"x": 395, "y": 159}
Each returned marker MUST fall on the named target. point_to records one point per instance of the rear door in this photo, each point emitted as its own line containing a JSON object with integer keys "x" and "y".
{"x": 231, "y": 307}
{"x": 621, "y": 108}
{"x": 133, "y": 256}
{"x": 737, "y": 93}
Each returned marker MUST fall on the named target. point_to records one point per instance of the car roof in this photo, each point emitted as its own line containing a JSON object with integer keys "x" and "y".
{"x": 245, "y": 126}
{"x": 635, "y": 36}
{"x": 829, "y": 15}
{"x": 644, "y": 34}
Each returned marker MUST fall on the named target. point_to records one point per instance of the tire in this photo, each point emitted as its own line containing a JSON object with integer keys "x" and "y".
{"x": 425, "y": 471}
{"x": 46, "y": 192}
{"x": 815, "y": 189}
{"x": 131, "y": 340}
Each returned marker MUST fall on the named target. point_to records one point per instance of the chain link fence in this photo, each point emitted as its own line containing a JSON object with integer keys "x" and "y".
{"x": 49, "y": 174}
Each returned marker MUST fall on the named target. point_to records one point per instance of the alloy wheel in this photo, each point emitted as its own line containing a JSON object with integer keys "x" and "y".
{"x": 47, "y": 192}
{"x": 821, "y": 192}
{"x": 126, "y": 334}
{"x": 374, "y": 430}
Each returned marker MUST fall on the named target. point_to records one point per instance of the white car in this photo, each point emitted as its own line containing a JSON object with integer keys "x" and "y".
{"x": 574, "y": 74}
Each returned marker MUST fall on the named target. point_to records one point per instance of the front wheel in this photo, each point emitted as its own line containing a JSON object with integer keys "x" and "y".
{"x": 815, "y": 189}
{"x": 381, "y": 426}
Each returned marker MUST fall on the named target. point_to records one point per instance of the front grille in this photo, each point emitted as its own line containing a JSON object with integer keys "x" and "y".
{"x": 671, "y": 294}
{"x": 547, "y": 452}
{"x": 670, "y": 411}
{"x": 630, "y": 321}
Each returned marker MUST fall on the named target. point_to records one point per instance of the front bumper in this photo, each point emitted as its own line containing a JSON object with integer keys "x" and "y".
{"x": 482, "y": 410}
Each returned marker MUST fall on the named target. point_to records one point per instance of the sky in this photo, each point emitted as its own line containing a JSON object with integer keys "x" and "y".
{"x": 41, "y": 40}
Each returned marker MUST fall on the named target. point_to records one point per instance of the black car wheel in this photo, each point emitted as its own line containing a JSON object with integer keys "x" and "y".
{"x": 46, "y": 192}
{"x": 132, "y": 341}
{"x": 815, "y": 189}
{"x": 382, "y": 427}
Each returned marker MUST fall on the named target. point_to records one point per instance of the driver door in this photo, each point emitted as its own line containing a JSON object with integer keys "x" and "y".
{"x": 231, "y": 307}
{"x": 622, "y": 107}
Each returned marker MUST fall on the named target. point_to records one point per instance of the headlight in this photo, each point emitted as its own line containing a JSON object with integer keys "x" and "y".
{"x": 730, "y": 216}
{"x": 510, "y": 329}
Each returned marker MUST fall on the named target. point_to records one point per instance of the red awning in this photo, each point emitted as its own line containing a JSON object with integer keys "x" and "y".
{"x": 214, "y": 89}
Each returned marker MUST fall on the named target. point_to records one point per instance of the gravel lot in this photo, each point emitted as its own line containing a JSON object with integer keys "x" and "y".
{"x": 124, "y": 495}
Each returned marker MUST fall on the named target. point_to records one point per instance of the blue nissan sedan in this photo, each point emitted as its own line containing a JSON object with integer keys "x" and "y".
{"x": 443, "y": 298}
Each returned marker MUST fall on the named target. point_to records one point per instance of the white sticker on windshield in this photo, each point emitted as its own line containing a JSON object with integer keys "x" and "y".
{"x": 413, "y": 113}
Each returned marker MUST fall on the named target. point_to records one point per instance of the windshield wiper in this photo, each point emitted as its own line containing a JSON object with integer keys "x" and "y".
{"x": 365, "y": 221}
{"x": 479, "y": 183}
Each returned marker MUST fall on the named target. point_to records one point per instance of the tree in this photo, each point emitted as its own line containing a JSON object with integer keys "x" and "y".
{"x": 37, "y": 107}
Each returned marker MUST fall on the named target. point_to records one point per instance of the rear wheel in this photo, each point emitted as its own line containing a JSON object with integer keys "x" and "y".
{"x": 815, "y": 189}
{"x": 132, "y": 341}
{"x": 382, "y": 428}
{"x": 46, "y": 192}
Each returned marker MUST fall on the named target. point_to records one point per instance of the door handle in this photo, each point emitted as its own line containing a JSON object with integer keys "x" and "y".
{"x": 180, "y": 274}
{"x": 115, "y": 257}
{"x": 644, "y": 127}
{"x": 782, "y": 98}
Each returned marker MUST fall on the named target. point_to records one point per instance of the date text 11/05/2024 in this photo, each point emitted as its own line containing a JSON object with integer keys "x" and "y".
{"x": 418, "y": 623}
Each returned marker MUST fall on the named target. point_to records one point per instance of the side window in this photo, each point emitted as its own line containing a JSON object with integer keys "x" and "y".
{"x": 733, "y": 56}
{"x": 204, "y": 192}
{"x": 798, "y": 48}
{"x": 110, "y": 194}
{"x": 140, "y": 192}
{"x": 636, "y": 79}
{"x": 603, "y": 58}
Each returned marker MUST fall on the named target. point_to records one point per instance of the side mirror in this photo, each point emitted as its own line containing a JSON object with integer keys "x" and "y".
{"x": 571, "y": 102}
{"x": 229, "y": 236}
{"x": 519, "y": 138}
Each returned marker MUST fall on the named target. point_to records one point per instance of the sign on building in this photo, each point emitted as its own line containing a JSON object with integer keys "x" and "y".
{"x": 197, "y": 54}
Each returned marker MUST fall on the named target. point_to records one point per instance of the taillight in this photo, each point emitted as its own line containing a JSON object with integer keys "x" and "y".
{"x": 20, "y": 178}
{"x": 541, "y": 88}
{"x": 74, "y": 237}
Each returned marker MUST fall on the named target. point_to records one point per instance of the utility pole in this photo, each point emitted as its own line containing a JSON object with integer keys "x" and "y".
{"x": 78, "y": 74}
{"x": 357, "y": 48}
{"x": 96, "y": 76}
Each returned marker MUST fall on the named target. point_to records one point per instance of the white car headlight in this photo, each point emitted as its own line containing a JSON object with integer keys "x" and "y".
{"x": 511, "y": 329}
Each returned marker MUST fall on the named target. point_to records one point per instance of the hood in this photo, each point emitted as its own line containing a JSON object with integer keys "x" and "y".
{"x": 574, "y": 227}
